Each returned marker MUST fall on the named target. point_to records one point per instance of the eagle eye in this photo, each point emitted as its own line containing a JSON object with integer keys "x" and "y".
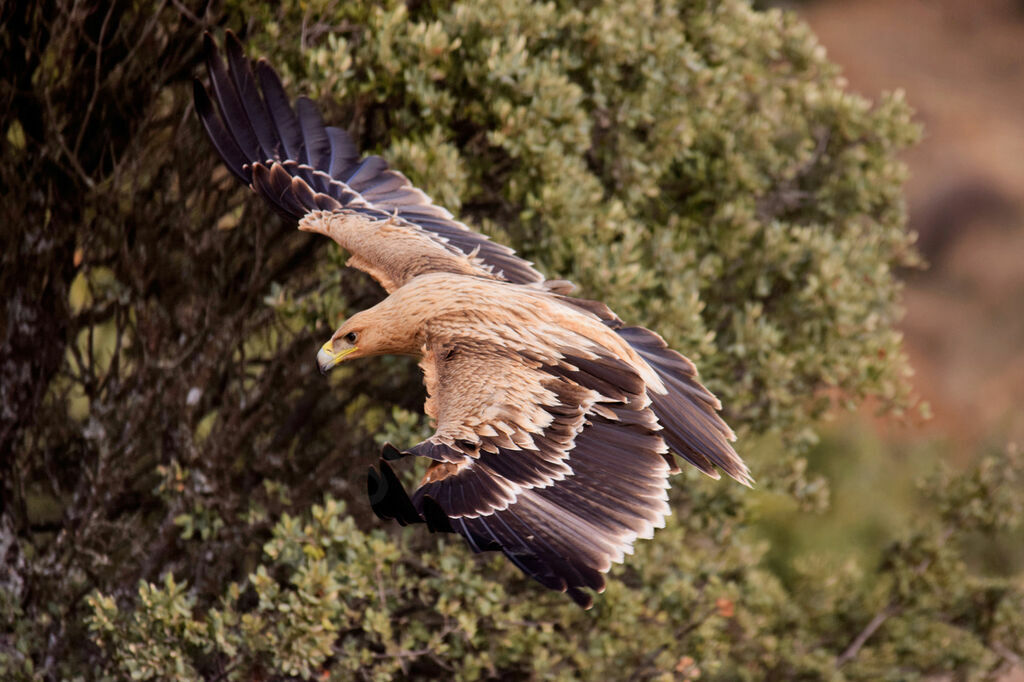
{"x": 350, "y": 337}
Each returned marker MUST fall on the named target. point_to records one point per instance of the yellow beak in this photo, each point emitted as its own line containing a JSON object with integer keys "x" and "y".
{"x": 327, "y": 359}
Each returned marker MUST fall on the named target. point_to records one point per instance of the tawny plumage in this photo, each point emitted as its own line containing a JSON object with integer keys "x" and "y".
{"x": 556, "y": 423}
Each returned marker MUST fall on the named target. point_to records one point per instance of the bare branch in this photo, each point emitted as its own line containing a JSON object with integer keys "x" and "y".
{"x": 855, "y": 646}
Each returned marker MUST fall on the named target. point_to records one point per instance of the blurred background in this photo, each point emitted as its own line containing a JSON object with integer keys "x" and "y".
{"x": 961, "y": 64}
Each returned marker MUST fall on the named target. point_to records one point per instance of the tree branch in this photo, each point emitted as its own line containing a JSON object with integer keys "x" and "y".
{"x": 855, "y": 646}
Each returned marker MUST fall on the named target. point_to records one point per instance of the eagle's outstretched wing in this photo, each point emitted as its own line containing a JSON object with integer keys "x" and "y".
{"x": 301, "y": 166}
{"x": 556, "y": 460}
{"x": 555, "y": 452}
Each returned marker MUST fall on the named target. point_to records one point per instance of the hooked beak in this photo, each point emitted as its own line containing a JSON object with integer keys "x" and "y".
{"x": 327, "y": 359}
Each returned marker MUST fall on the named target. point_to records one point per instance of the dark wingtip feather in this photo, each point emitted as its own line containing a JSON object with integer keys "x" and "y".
{"x": 688, "y": 411}
{"x": 314, "y": 133}
{"x": 231, "y": 41}
{"x": 209, "y": 44}
{"x": 204, "y": 107}
{"x": 222, "y": 141}
{"x": 280, "y": 110}
{"x": 232, "y": 109}
{"x": 249, "y": 94}
{"x": 582, "y": 599}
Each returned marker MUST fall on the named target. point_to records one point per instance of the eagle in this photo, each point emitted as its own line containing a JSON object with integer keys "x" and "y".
{"x": 557, "y": 425}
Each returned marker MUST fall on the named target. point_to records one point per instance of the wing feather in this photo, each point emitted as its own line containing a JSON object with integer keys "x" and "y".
{"x": 286, "y": 123}
{"x": 343, "y": 151}
{"x": 567, "y": 507}
{"x": 316, "y": 144}
{"x": 687, "y": 410}
{"x": 223, "y": 142}
{"x": 249, "y": 95}
{"x": 257, "y": 126}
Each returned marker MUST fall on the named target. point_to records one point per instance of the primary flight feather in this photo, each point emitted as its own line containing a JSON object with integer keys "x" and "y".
{"x": 556, "y": 423}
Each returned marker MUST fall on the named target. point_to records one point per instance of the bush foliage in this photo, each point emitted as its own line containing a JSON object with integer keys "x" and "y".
{"x": 182, "y": 496}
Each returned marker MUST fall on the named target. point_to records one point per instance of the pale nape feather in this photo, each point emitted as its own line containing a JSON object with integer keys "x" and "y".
{"x": 389, "y": 249}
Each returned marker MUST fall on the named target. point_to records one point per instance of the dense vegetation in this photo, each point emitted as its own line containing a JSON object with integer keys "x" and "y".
{"x": 182, "y": 496}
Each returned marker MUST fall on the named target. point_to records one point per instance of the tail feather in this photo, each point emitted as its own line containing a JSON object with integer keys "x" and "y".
{"x": 688, "y": 412}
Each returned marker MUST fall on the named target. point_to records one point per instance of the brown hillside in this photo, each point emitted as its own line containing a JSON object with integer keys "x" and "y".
{"x": 961, "y": 63}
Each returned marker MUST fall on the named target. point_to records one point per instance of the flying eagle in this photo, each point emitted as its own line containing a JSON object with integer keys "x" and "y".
{"x": 555, "y": 421}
